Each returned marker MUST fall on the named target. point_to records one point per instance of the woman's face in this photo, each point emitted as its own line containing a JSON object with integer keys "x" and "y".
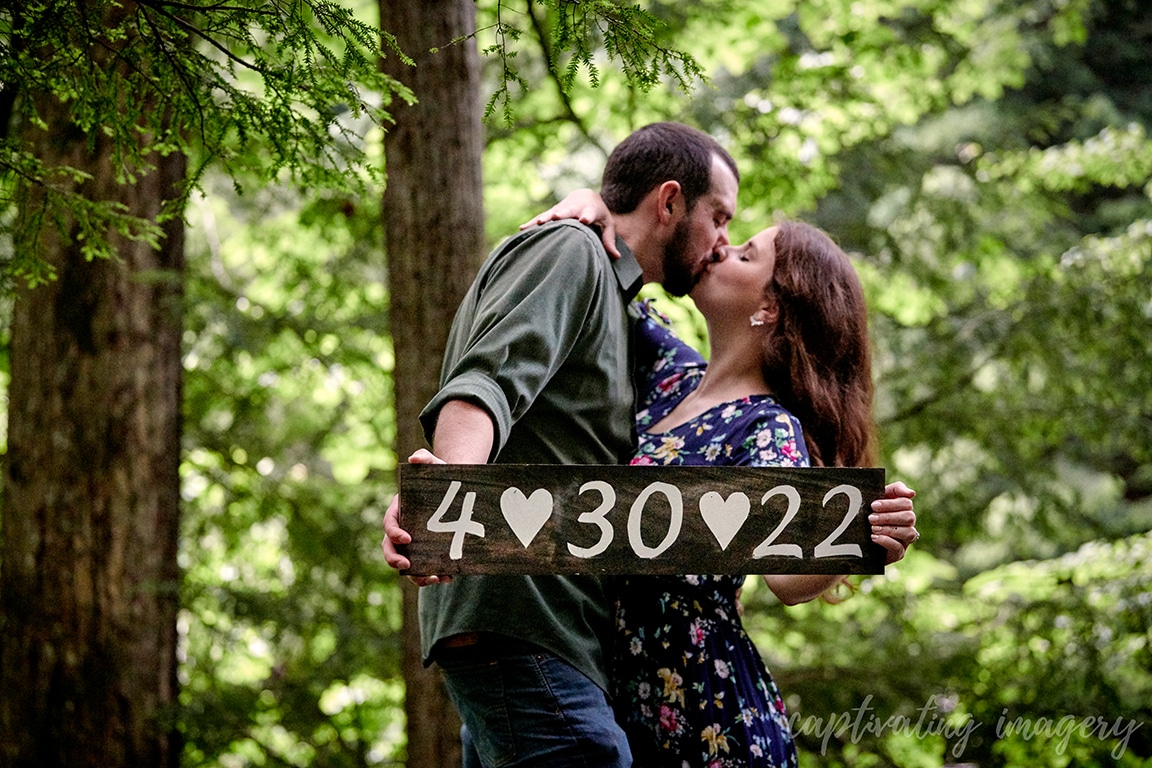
{"x": 734, "y": 285}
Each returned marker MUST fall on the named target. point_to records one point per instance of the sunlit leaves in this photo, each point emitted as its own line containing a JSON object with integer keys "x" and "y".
{"x": 575, "y": 34}
{"x": 290, "y": 622}
{"x": 987, "y": 165}
{"x": 1119, "y": 156}
{"x": 263, "y": 88}
{"x": 85, "y": 222}
{"x": 1009, "y": 651}
{"x": 990, "y": 176}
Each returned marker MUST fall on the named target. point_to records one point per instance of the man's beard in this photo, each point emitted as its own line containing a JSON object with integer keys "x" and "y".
{"x": 682, "y": 270}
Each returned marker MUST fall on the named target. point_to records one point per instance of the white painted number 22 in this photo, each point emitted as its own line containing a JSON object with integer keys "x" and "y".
{"x": 825, "y": 548}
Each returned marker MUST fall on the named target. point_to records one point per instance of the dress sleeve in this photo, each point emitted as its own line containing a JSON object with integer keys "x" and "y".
{"x": 659, "y": 353}
{"x": 529, "y": 306}
{"x": 772, "y": 438}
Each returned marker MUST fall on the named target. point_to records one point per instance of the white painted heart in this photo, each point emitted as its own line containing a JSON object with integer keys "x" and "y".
{"x": 526, "y": 515}
{"x": 724, "y": 517}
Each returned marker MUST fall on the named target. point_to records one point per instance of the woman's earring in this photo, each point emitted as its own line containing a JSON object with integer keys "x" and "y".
{"x": 755, "y": 322}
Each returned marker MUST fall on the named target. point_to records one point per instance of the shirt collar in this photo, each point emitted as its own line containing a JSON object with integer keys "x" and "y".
{"x": 628, "y": 272}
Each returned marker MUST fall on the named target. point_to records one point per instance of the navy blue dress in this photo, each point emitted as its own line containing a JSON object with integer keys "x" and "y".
{"x": 689, "y": 686}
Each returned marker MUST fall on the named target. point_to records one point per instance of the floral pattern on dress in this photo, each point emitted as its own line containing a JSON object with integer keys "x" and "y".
{"x": 690, "y": 688}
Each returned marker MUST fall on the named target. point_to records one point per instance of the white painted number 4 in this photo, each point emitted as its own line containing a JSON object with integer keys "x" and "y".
{"x": 462, "y": 526}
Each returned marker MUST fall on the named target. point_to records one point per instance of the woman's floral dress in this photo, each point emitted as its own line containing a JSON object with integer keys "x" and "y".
{"x": 689, "y": 686}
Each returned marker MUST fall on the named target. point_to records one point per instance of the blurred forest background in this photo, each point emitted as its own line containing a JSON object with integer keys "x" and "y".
{"x": 987, "y": 163}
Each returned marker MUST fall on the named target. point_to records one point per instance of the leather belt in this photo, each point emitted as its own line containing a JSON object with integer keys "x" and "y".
{"x": 462, "y": 640}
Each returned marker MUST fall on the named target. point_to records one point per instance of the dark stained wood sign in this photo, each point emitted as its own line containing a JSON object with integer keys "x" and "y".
{"x": 543, "y": 518}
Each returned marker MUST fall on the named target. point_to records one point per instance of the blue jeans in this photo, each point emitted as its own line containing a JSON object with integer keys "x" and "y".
{"x": 522, "y": 706}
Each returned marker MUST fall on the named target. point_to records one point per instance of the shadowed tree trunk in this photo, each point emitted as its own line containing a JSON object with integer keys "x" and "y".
{"x": 88, "y": 572}
{"x": 434, "y": 236}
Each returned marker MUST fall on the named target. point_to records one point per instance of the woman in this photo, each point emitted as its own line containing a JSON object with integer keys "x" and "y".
{"x": 788, "y": 384}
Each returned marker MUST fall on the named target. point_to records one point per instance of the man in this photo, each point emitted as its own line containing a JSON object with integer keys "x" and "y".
{"x": 538, "y": 370}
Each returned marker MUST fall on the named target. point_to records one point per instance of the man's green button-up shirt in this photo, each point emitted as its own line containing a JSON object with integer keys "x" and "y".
{"x": 542, "y": 341}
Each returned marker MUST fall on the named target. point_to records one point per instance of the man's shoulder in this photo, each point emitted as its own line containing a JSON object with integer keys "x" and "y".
{"x": 566, "y": 233}
{"x": 561, "y": 250}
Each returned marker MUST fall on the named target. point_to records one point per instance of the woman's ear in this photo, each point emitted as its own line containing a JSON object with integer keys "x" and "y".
{"x": 766, "y": 315}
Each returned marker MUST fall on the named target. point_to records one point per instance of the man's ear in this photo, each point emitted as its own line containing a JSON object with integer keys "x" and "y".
{"x": 669, "y": 201}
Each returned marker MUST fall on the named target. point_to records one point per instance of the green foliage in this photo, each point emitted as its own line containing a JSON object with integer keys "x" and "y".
{"x": 987, "y": 163}
{"x": 1030, "y": 664}
{"x": 573, "y": 34}
{"x": 262, "y": 88}
{"x": 988, "y": 166}
{"x": 290, "y": 624}
{"x": 93, "y": 219}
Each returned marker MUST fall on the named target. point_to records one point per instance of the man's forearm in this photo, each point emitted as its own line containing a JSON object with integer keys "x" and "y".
{"x": 464, "y": 433}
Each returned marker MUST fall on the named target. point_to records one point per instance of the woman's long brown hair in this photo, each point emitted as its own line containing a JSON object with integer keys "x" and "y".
{"x": 817, "y": 358}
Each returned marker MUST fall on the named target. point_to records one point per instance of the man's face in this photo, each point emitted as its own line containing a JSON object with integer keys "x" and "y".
{"x": 700, "y": 232}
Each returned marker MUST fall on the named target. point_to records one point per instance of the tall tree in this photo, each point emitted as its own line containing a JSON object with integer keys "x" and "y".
{"x": 89, "y": 592}
{"x": 434, "y": 218}
{"x": 434, "y": 235}
{"x": 112, "y": 98}
{"x": 106, "y": 99}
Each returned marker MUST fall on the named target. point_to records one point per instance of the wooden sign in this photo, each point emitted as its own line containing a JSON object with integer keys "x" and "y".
{"x": 544, "y": 518}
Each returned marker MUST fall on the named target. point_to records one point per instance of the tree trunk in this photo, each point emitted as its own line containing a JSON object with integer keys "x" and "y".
{"x": 434, "y": 236}
{"x": 88, "y": 572}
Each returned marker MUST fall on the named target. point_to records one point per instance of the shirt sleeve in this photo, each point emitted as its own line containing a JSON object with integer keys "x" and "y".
{"x": 773, "y": 438}
{"x": 529, "y": 306}
{"x": 659, "y": 352}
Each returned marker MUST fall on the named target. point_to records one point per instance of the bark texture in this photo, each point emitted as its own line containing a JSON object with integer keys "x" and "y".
{"x": 88, "y": 586}
{"x": 88, "y": 571}
{"x": 434, "y": 236}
